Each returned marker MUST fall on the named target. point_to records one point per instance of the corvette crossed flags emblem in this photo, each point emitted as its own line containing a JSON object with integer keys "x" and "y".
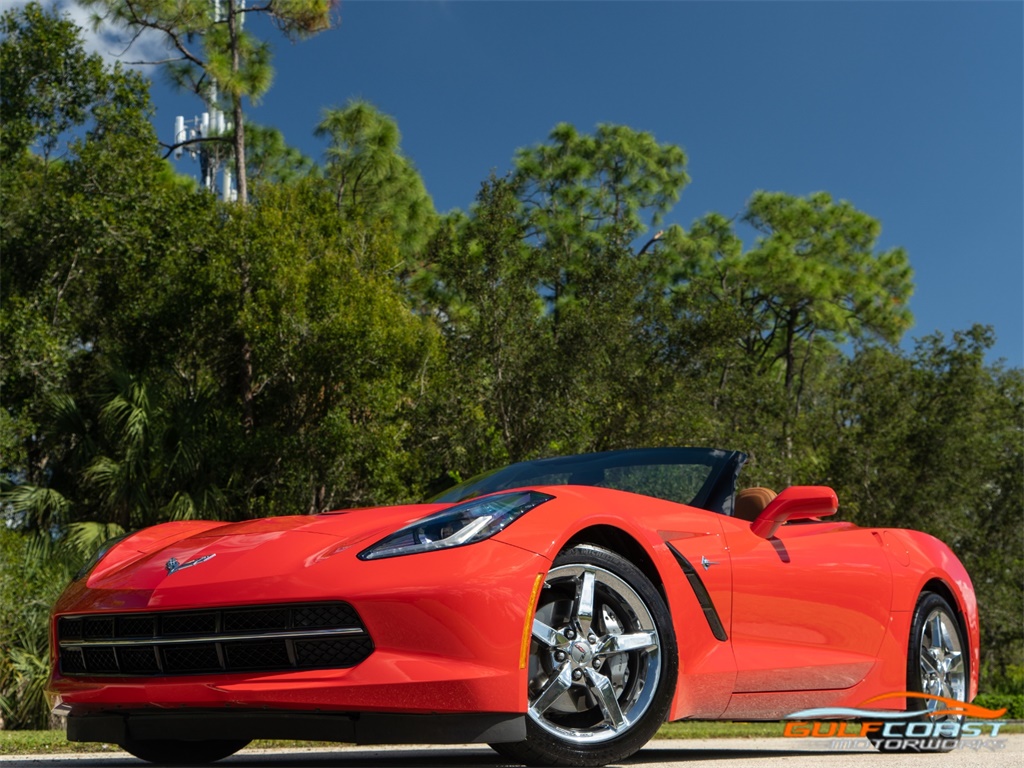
{"x": 173, "y": 566}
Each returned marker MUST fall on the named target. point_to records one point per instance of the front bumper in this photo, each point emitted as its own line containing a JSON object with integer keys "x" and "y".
{"x": 447, "y": 629}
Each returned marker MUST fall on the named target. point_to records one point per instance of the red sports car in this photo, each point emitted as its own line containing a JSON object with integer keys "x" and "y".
{"x": 558, "y": 609}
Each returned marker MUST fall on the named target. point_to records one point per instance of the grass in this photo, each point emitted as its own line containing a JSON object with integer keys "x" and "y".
{"x": 54, "y": 742}
{"x": 717, "y": 729}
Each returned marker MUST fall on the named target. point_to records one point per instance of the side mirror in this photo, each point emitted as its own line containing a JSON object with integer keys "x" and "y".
{"x": 798, "y": 502}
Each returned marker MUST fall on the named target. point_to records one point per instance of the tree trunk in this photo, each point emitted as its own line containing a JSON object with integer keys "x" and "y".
{"x": 236, "y": 108}
{"x": 245, "y": 375}
{"x": 790, "y": 352}
{"x": 240, "y": 178}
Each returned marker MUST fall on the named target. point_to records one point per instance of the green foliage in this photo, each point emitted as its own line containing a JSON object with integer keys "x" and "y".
{"x": 125, "y": 346}
{"x": 812, "y": 281}
{"x": 372, "y": 180}
{"x": 335, "y": 352}
{"x": 585, "y": 204}
{"x": 132, "y": 456}
{"x": 582, "y": 190}
{"x": 302, "y": 18}
{"x": 820, "y": 272}
{"x": 491, "y": 398}
{"x": 1013, "y": 703}
{"x": 49, "y": 81}
{"x": 28, "y": 587}
{"x": 585, "y": 201}
{"x": 270, "y": 160}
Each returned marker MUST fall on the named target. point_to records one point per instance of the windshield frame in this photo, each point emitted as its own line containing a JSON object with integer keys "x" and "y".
{"x": 715, "y": 494}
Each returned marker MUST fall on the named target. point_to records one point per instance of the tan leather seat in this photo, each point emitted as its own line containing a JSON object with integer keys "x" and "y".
{"x": 750, "y": 502}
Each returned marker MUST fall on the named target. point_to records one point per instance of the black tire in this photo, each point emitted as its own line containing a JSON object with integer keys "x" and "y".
{"x": 603, "y": 663}
{"x": 937, "y": 663}
{"x": 175, "y": 752}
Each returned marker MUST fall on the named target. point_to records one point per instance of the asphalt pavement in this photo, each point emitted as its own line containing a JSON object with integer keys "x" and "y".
{"x": 1005, "y": 752}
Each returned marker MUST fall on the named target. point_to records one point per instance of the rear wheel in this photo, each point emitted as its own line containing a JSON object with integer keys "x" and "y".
{"x": 603, "y": 663}
{"x": 936, "y": 665}
{"x": 175, "y": 752}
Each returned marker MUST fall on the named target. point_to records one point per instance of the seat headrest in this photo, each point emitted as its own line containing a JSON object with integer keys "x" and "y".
{"x": 750, "y": 502}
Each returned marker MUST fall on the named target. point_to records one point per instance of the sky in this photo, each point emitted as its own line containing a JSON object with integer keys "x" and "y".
{"x": 911, "y": 111}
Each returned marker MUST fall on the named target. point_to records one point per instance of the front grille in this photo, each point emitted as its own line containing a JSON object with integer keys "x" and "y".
{"x": 256, "y": 655}
{"x": 100, "y": 657}
{"x": 98, "y": 628}
{"x": 245, "y": 639}
{"x": 188, "y": 624}
{"x": 264, "y": 619}
{"x": 138, "y": 661}
{"x": 194, "y": 657}
{"x": 135, "y": 626}
{"x": 329, "y": 615}
{"x": 345, "y": 652}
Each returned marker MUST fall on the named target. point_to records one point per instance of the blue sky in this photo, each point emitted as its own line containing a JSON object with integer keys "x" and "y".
{"x": 912, "y": 111}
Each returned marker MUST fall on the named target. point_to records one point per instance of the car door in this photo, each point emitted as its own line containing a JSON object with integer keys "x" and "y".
{"x": 810, "y": 606}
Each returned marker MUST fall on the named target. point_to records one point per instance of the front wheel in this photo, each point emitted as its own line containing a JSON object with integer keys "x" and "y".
{"x": 175, "y": 752}
{"x": 603, "y": 663}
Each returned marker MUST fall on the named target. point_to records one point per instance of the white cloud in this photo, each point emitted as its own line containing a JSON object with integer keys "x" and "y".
{"x": 113, "y": 44}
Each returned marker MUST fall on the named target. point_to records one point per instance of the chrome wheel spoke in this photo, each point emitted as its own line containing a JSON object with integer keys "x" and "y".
{"x": 635, "y": 641}
{"x": 944, "y": 641}
{"x": 935, "y": 627}
{"x": 604, "y": 691}
{"x": 956, "y": 663}
{"x": 928, "y": 663}
{"x": 558, "y": 685}
{"x": 549, "y": 636}
{"x": 585, "y": 601}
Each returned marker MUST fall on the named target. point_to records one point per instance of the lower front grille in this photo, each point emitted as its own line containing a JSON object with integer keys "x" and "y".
{"x": 246, "y": 639}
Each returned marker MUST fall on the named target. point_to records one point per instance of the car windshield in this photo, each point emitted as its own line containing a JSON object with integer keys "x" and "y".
{"x": 699, "y": 477}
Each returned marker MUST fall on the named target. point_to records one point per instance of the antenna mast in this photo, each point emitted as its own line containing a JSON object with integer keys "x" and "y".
{"x": 213, "y": 156}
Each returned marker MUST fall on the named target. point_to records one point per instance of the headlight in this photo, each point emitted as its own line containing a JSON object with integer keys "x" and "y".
{"x": 465, "y": 523}
{"x": 105, "y": 547}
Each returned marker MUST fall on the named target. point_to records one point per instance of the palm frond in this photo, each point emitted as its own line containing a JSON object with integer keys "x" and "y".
{"x": 84, "y": 538}
{"x": 39, "y": 507}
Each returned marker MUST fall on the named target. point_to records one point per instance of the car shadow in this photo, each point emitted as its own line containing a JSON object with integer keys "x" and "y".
{"x": 413, "y": 757}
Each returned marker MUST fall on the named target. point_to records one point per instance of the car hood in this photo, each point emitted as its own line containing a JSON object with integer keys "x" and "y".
{"x": 179, "y": 558}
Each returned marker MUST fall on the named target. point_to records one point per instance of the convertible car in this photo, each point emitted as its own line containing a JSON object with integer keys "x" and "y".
{"x": 560, "y": 610}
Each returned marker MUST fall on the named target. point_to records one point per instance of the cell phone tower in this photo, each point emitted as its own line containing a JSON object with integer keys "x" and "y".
{"x": 213, "y": 156}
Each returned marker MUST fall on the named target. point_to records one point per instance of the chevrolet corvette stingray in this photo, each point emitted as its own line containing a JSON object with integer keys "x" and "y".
{"x": 559, "y": 609}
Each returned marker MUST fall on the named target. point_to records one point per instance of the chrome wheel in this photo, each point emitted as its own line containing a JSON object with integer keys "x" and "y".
{"x": 602, "y": 666}
{"x": 602, "y": 663}
{"x": 941, "y": 659}
{"x": 595, "y": 656}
